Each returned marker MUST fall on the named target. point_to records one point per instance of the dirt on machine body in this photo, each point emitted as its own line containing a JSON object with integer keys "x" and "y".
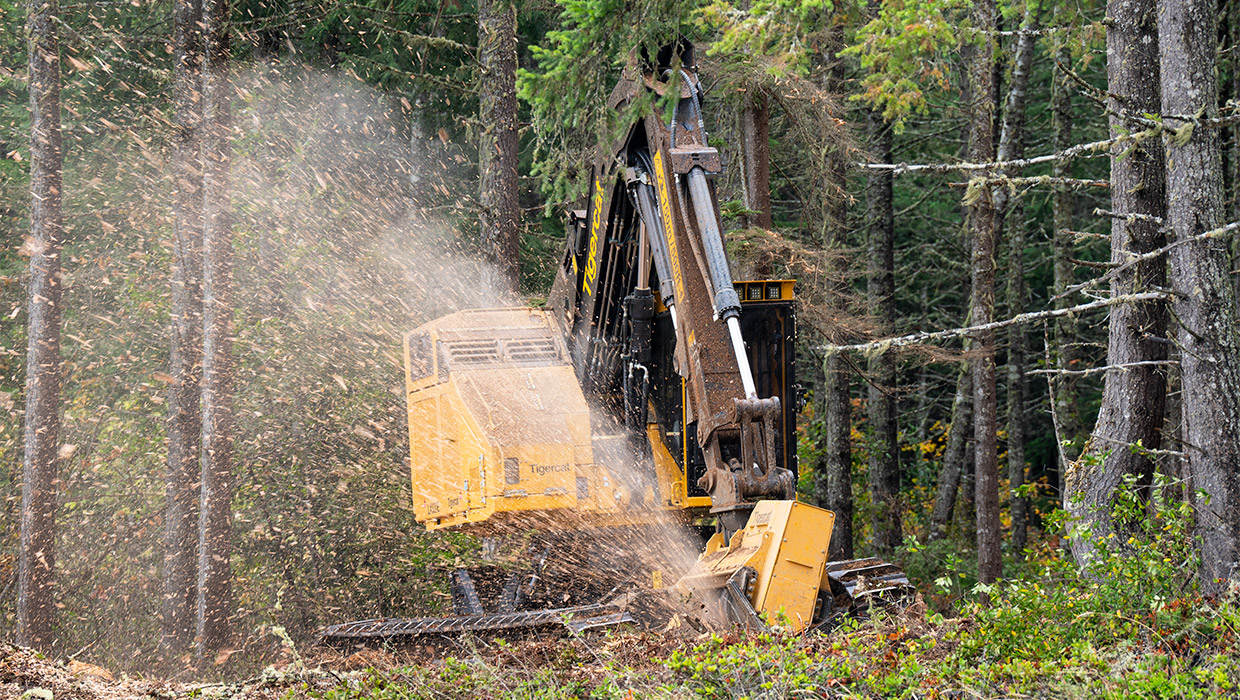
{"x": 652, "y": 396}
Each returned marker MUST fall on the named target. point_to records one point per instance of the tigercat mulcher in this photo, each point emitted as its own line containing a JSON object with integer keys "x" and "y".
{"x": 652, "y": 388}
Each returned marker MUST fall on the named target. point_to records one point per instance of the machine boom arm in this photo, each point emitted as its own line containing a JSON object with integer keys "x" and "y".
{"x": 653, "y": 201}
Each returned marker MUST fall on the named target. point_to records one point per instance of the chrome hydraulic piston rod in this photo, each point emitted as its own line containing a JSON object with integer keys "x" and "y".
{"x": 726, "y": 301}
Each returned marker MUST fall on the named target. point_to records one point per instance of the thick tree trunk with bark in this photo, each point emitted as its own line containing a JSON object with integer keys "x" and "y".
{"x": 36, "y": 560}
{"x": 953, "y": 456}
{"x": 982, "y": 305}
{"x": 215, "y": 518}
{"x": 500, "y": 210}
{"x": 966, "y": 504}
{"x": 756, "y": 150}
{"x": 1204, "y": 298}
{"x": 1017, "y": 299}
{"x": 837, "y": 398}
{"x": 185, "y": 359}
{"x": 1066, "y": 412}
{"x": 837, "y": 404}
{"x": 1233, "y": 37}
{"x": 881, "y": 292}
{"x": 1133, "y": 398}
{"x": 1012, "y": 147}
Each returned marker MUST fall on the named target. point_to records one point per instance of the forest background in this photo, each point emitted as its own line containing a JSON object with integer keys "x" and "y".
{"x": 355, "y": 202}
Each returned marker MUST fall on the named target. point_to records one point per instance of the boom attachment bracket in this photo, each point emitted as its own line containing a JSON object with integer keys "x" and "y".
{"x": 734, "y": 489}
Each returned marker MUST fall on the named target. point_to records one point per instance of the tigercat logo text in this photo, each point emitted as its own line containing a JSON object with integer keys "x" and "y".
{"x": 545, "y": 469}
{"x": 596, "y": 223}
{"x": 669, "y": 227}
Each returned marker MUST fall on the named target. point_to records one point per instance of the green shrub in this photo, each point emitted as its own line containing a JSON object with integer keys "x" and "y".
{"x": 755, "y": 666}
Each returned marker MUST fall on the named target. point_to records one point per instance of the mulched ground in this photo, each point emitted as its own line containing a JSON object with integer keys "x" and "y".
{"x": 26, "y": 675}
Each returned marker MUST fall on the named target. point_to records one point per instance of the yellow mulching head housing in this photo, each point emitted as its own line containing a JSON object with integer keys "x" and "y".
{"x": 500, "y": 432}
{"x": 774, "y": 565}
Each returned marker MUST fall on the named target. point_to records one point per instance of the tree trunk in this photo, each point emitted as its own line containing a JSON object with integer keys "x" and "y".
{"x": 1067, "y": 414}
{"x": 215, "y": 520}
{"x": 1233, "y": 28}
{"x": 953, "y": 456}
{"x": 185, "y": 359}
{"x": 756, "y": 149}
{"x": 838, "y": 407}
{"x": 1133, "y": 399}
{"x": 1017, "y": 299}
{"x": 1012, "y": 147}
{"x": 982, "y": 305}
{"x": 1204, "y": 299}
{"x": 837, "y": 399}
{"x": 966, "y": 506}
{"x": 500, "y": 210}
{"x": 36, "y": 562}
{"x": 881, "y": 290}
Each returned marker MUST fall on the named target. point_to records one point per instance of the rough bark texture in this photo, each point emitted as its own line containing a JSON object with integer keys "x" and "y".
{"x": 215, "y": 520}
{"x": 1204, "y": 299}
{"x": 837, "y": 399}
{"x": 1233, "y": 37}
{"x": 953, "y": 456}
{"x": 36, "y": 561}
{"x": 1017, "y": 300}
{"x": 1133, "y": 398}
{"x": 1012, "y": 147}
{"x": 838, "y": 419}
{"x": 1067, "y": 414}
{"x": 756, "y": 148}
{"x": 185, "y": 358}
{"x": 966, "y": 504}
{"x": 982, "y": 305}
{"x": 500, "y": 210}
{"x": 1012, "y": 134}
{"x": 881, "y": 292}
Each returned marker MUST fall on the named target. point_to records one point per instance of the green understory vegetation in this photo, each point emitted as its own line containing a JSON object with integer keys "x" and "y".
{"x": 1130, "y": 625}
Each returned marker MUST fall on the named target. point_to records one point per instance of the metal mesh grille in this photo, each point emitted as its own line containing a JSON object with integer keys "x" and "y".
{"x": 473, "y": 352}
{"x": 531, "y": 349}
{"x": 476, "y": 353}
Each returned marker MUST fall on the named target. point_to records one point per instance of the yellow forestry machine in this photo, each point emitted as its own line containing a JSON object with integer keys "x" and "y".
{"x": 652, "y": 394}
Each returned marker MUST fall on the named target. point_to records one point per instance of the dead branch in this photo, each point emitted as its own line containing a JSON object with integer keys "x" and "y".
{"x": 880, "y": 346}
{"x": 1093, "y": 148}
{"x": 1099, "y": 370}
{"x": 1135, "y": 259}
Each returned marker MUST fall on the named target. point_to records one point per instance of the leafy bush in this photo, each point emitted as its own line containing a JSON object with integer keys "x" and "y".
{"x": 763, "y": 665}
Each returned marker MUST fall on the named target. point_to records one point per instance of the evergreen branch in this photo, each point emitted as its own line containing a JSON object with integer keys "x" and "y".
{"x": 404, "y": 14}
{"x": 460, "y": 88}
{"x": 421, "y": 40}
